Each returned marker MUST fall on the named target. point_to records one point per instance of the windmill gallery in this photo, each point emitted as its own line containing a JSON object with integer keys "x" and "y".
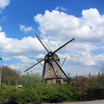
{"x": 52, "y": 71}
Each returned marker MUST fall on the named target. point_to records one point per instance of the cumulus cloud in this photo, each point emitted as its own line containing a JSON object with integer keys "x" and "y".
{"x": 23, "y": 50}
{"x": 24, "y": 59}
{"x": 25, "y": 46}
{"x": 89, "y": 27}
{"x": 40, "y": 56}
{"x": 4, "y": 3}
{"x": 87, "y": 31}
{"x": 25, "y": 29}
{"x": 56, "y": 28}
{"x": 23, "y": 66}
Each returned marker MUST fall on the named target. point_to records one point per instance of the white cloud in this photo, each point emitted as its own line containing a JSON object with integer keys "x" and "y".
{"x": 62, "y": 26}
{"x": 24, "y": 59}
{"x": 40, "y": 56}
{"x": 23, "y": 66}
{"x": 13, "y": 47}
{"x": 4, "y": 3}
{"x": 25, "y": 29}
{"x": 57, "y": 28}
{"x": 87, "y": 30}
{"x": 99, "y": 59}
{"x": 21, "y": 50}
{"x": 60, "y": 8}
{"x": 0, "y": 28}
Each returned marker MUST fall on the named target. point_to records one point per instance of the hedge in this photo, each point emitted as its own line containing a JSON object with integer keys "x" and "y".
{"x": 41, "y": 93}
{"x": 94, "y": 94}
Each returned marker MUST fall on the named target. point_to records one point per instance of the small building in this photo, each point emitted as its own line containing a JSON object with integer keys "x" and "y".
{"x": 51, "y": 72}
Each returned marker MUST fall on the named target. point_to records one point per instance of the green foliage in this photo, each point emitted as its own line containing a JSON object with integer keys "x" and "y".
{"x": 95, "y": 87}
{"x": 81, "y": 84}
{"x": 35, "y": 90}
{"x": 95, "y": 94}
{"x": 58, "y": 93}
{"x": 10, "y": 76}
{"x": 96, "y": 82}
{"x": 31, "y": 80}
{"x": 41, "y": 93}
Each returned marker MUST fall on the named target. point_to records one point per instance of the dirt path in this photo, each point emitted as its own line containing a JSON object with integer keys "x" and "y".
{"x": 83, "y": 102}
{"x": 88, "y": 102}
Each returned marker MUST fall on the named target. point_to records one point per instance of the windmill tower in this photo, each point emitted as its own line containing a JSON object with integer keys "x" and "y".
{"x": 52, "y": 71}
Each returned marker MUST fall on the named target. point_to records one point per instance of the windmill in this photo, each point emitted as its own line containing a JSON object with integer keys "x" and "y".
{"x": 52, "y": 71}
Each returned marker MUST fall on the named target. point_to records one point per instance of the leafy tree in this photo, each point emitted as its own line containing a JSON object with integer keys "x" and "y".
{"x": 31, "y": 80}
{"x": 96, "y": 81}
{"x": 10, "y": 76}
{"x": 81, "y": 84}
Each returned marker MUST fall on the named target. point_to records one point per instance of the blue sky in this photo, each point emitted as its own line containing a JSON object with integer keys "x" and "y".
{"x": 55, "y": 22}
{"x": 22, "y": 12}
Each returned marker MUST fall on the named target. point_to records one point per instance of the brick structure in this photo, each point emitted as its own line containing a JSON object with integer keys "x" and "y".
{"x": 51, "y": 72}
{"x": 54, "y": 81}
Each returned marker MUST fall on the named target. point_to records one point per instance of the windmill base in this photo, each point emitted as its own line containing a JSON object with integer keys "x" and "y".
{"x": 54, "y": 81}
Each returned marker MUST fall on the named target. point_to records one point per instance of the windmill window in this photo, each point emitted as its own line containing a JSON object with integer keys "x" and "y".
{"x": 56, "y": 72}
{"x": 58, "y": 81}
{"x": 49, "y": 70}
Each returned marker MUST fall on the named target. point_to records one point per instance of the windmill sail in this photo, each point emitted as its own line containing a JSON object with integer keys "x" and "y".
{"x": 52, "y": 69}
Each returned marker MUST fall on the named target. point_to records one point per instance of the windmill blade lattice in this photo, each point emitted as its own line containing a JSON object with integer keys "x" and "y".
{"x": 64, "y": 61}
{"x": 35, "y": 64}
{"x": 51, "y": 61}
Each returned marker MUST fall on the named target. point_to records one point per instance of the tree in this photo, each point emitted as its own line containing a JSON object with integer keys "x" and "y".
{"x": 81, "y": 83}
{"x": 31, "y": 80}
{"x": 10, "y": 76}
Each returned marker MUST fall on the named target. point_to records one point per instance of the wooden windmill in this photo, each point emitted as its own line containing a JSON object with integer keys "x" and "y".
{"x": 52, "y": 71}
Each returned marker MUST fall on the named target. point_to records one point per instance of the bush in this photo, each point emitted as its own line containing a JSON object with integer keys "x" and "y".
{"x": 31, "y": 80}
{"x": 35, "y": 90}
{"x": 41, "y": 93}
{"x": 94, "y": 94}
{"x": 81, "y": 84}
{"x": 57, "y": 93}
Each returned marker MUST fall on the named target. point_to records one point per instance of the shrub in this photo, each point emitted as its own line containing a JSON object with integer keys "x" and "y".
{"x": 41, "y": 93}
{"x": 81, "y": 84}
{"x": 94, "y": 94}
